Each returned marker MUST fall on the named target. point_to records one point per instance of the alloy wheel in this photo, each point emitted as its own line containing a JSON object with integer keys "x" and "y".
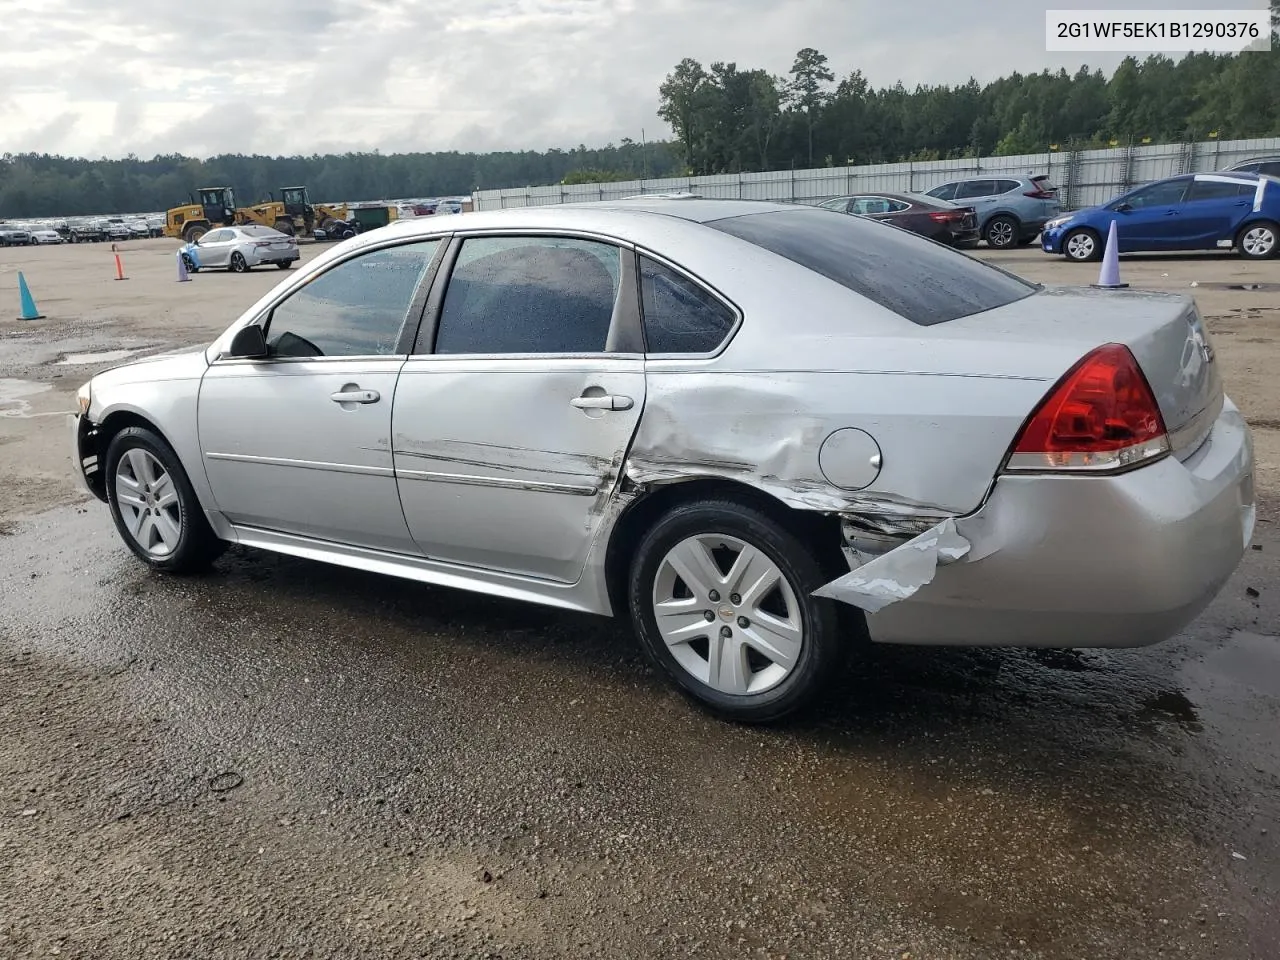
{"x": 1080, "y": 246}
{"x": 1258, "y": 241}
{"x": 149, "y": 503}
{"x": 728, "y": 614}
{"x": 1000, "y": 234}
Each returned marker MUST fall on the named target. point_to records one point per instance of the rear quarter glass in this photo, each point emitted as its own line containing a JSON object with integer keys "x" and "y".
{"x": 915, "y": 278}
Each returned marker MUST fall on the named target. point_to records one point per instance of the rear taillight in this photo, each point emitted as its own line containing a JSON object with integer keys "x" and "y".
{"x": 1040, "y": 194}
{"x": 1102, "y": 415}
{"x": 947, "y": 216}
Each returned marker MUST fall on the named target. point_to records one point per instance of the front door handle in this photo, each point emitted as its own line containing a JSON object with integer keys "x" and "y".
{"x": 1171, "y": 213}
{"x": 354, "y": 396}
{"x": 607, "y": 402}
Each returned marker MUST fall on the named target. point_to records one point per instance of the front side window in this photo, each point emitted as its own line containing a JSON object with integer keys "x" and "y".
{"x": 1157, "y": 195}
{"x": 530, "y": 295}
{"x": 679, "y": 315}
{"x": 355, "y": 309}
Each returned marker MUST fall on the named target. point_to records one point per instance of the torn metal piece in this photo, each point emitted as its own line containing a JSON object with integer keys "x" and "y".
{"x": 902, "y": 571}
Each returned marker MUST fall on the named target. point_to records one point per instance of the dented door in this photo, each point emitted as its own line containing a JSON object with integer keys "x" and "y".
{"x": 509, "y": 464}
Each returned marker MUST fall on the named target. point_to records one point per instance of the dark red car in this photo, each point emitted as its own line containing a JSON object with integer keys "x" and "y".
{"x": 936, "y": 219}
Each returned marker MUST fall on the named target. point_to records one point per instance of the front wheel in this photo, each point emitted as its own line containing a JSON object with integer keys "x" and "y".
{"x": 239, "y": 264}
{"x": 720, "y": 595}
{"x": 1082, "y": 246}
{"x": 1257, "y": 241}
{"x": 153, "y": 505}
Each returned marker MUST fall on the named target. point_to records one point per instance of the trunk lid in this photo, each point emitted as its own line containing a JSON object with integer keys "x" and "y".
{"x": 1165, "y": 333}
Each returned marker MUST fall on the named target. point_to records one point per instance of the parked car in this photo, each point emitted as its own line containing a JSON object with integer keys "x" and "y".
{"x": 240, "y": 249}
{"x": 936, "y": 219}
{"x": 1268, "y": 165}
{"x": 1010, "y": 210}
{"x": 117, "y": 230}
{"x": 11, "y": 236}
{"x": 1202, "y": 211}
{"x": 88, "y": 231}
{"x": 759, "y": 432}
{"x": 45, "y": 235}
{"x": 336, "y": 230}
{"x": 138, "y": 228}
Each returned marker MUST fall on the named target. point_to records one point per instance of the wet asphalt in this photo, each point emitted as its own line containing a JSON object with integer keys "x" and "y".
{"x": 282, "y": 758}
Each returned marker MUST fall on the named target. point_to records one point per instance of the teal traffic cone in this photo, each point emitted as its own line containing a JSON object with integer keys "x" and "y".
{"x": 29, "y": 311}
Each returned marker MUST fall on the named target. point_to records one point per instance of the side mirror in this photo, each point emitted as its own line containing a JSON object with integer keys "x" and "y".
{"x": 248, "y": 343}
{"x": 1123, "y": 207}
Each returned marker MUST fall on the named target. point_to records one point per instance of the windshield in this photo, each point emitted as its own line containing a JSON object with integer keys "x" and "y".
{"x": 922, "y": 281}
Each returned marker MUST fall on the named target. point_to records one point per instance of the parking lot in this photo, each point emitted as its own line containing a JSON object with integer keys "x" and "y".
{"x": 287, "y": 759}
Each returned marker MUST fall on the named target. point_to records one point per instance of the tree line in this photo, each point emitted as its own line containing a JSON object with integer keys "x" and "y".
{"x": 41, "y": 185}
{"x": 728, "y": 120}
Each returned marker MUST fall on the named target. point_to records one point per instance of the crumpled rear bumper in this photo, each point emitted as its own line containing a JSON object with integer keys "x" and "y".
{"x": 1056, "y": 561}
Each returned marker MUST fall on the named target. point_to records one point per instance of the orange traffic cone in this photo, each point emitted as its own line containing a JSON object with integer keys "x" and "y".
{"x": 119, "y": 264}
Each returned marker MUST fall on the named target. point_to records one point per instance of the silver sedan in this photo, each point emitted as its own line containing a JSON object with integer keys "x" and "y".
{"x": 760, "y": 433}
{"x": 239, "y": 249}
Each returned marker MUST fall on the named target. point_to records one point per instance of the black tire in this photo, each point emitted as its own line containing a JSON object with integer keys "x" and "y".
{"x": 193, "y": 233}
{"x": 1251, "y": 228}
{"x": 239, "y": 264}
{"x": 1002, "y": 232}
{"x": 285, "y": 227}
{"x": 285, "y": 264}
{"x": 189, "y": 263}
{"x": 197, "y": 545}
{"x": 823, "y": 649}
{"x": 1094, "y": 253}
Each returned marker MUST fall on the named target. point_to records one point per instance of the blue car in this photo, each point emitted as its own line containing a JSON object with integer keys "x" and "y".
{"x": 1200, "y": 211}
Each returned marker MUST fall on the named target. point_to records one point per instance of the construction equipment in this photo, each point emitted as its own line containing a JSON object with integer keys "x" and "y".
{"x": 217, "y": 208}
{"x": 293, "y": 214}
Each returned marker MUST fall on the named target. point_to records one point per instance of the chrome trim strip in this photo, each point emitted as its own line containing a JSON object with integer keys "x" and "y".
{"x": 304, "y": 464}
{"x": 536, "y": 486}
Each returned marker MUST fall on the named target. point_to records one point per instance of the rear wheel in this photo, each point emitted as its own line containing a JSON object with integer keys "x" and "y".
{"x": 285, "y": 226}
{"x": 239, "y": 264}
{"x": 1001, "y": 232}
{"x": 1257, "y": 241}
{"x": 194, "y": 232}
{"x": 719, "y": 593}
{"x": 1082, "y": 245}
{"x": 153, "y": 505}
{"x": 285, "y": 264}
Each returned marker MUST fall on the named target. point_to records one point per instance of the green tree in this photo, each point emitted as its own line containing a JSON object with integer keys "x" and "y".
{"x": 809, "y": 75}
{"x": 680, "y": 101}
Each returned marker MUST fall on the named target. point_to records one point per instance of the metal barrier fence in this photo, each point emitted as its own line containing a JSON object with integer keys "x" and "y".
{"x": 1083, "y": 177}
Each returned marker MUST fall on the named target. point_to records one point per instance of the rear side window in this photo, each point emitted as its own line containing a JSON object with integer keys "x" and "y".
{"x": 1219, "y": 190}
{"x": 901, "y": 271}
{"x": 530, "y": 295}
{"x": 945, "y": 192}
{"x": 679, "y": 315}
{"x": 1005, "y": 186}
{"x": 976, "y": 188}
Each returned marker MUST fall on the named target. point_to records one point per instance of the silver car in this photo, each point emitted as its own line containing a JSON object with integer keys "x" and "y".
{"x": 758, "y": 432}
{"x": 1010, "y": 210}
{"x": 240, "y": 249}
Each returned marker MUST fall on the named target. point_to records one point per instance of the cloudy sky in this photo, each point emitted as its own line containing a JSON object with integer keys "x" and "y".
{"x": 112, "y": 77}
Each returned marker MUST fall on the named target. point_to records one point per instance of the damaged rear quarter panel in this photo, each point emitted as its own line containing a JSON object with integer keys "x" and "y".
{"x": 942, "y": 437}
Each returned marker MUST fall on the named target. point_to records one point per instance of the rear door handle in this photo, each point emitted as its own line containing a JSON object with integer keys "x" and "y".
{"x": 1171, "y": 213}
{"x": 607, "y": 402}
{"x": 354, "y": 396}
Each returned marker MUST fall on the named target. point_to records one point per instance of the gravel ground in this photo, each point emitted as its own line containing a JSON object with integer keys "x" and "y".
{"x": 283, "y": 759}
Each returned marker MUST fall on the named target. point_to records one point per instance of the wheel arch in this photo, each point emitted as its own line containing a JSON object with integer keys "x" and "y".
{"x": 628, "y": 529}
{"x": 121, "y": 417}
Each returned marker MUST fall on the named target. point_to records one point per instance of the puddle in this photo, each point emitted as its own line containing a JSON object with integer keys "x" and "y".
{"x": 108, "y": 356}
{"x": 12, "y": 393}
{"x": 1171, "y": 704}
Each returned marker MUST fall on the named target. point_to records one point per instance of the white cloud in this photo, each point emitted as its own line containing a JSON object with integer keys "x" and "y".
{"x": 157, "y": 76}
